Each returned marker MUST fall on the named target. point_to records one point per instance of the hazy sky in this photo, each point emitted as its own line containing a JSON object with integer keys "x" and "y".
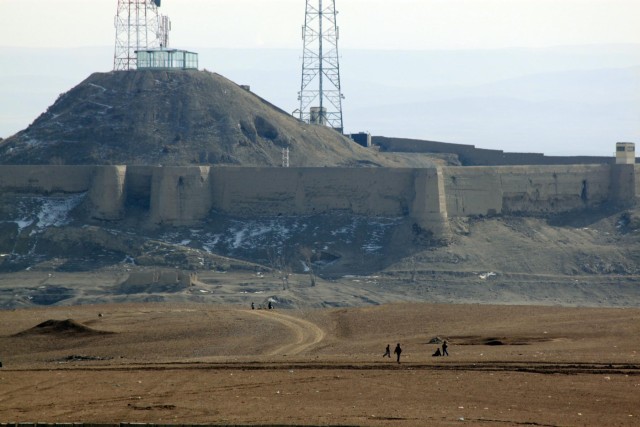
{"x": 437, "y": 27}
{"x": 374, "y": 24}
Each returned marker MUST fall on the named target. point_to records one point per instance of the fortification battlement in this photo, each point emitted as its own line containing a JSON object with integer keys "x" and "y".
{"x": 180, "y": 196}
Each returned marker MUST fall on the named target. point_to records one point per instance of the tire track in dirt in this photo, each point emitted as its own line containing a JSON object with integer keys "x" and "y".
{"x": 522, "y": 367}
{"x": 307, "y": 334}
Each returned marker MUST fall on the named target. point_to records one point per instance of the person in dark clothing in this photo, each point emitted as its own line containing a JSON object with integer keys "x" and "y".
{"x": 444, "y": 349}
{"x": 387, "y": 352}
{"x": 397, "y": 351}
{"x": 270, "y": 306}
{"x": 253, "y": 307}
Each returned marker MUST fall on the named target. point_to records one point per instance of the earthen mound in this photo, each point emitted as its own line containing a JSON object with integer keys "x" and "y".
{"x": 497, "y": 341}
{"x": 175, "y": 118}
{"x": 61, "y": 327}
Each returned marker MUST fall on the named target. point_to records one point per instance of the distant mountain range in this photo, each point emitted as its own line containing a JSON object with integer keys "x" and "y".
{"x": 559, "y": 101}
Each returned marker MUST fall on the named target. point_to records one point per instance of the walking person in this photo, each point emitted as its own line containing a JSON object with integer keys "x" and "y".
{"x": 398, "y": 351}
{"x": 444, "y": 349}
{"x": 387, "y": 352}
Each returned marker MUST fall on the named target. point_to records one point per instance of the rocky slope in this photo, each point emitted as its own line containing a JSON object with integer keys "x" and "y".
{"x": 178, "y": 118}
{"x": 52, "y": 254}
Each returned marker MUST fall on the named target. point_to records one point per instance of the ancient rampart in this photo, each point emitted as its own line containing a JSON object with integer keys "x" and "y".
{"x": 179, "y": 196}
{"x": 46, "y": 179}
{"x": 525, "y": 189}
{"x": 470, "y": 155}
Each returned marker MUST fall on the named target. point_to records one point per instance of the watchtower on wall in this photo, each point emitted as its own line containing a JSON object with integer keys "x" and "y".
{"x": 623, "y": 175}
{"x": 320, "y": 93}
{"x": 625, "y": 153}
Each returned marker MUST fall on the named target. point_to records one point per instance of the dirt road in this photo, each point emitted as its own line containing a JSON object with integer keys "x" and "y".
{"x": 307, "y": 334}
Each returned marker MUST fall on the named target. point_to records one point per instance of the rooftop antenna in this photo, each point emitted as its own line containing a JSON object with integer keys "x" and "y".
{"x": 138, "y": 27}
{"x": 163, "y": 31}
{"x": 320, "y": 94}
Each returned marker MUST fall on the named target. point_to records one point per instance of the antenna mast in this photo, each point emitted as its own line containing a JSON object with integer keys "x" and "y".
{"x": 163, "y": 31}
{"x": 138, "y": 27}
{"x": 321, "y": 66}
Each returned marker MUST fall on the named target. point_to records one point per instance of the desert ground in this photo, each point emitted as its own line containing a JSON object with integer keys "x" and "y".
{"x": 230, "y": 365}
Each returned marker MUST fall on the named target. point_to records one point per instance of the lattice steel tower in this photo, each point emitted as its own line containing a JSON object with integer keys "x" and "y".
{"x": 320, "y": 94}
{"x": 138, "y": 27}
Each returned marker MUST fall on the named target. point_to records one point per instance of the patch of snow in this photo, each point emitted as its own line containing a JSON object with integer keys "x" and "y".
{"x": 23, "y": 223}
{"x": 31, "y": 142}
{"x": 370, "y": 248}
{"x": 108, "y": 107}
{"x": 55, "y": 210}
{"x": 98, "y": 86}
{"x": 210, "y": 244}
{"x": 238, "y": 238}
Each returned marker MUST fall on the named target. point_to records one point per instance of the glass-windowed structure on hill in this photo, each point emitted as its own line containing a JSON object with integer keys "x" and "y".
{"x": 166, "y": 59}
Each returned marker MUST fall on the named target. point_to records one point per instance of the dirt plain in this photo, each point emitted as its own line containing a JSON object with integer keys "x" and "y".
{"x": 229, "y": 365}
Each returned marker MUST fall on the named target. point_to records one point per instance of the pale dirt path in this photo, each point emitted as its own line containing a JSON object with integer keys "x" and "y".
{"x": 307, "y": 334}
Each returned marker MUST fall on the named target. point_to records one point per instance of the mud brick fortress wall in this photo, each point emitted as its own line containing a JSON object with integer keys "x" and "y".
{"x": 186, "y": 195}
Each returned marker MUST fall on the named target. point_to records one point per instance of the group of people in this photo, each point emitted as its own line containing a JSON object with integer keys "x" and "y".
{"x": 398, "y": 351}
{"x": 444, "y": 351}
{"x": 269, "y": 306}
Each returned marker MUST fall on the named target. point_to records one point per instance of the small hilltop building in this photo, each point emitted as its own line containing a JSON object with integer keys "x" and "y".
{"x": 166, "y": 59}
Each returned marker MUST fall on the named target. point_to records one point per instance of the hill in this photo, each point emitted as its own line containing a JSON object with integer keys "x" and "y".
{"x": 176, "y": 118}
{"x": 569, "y": 100}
